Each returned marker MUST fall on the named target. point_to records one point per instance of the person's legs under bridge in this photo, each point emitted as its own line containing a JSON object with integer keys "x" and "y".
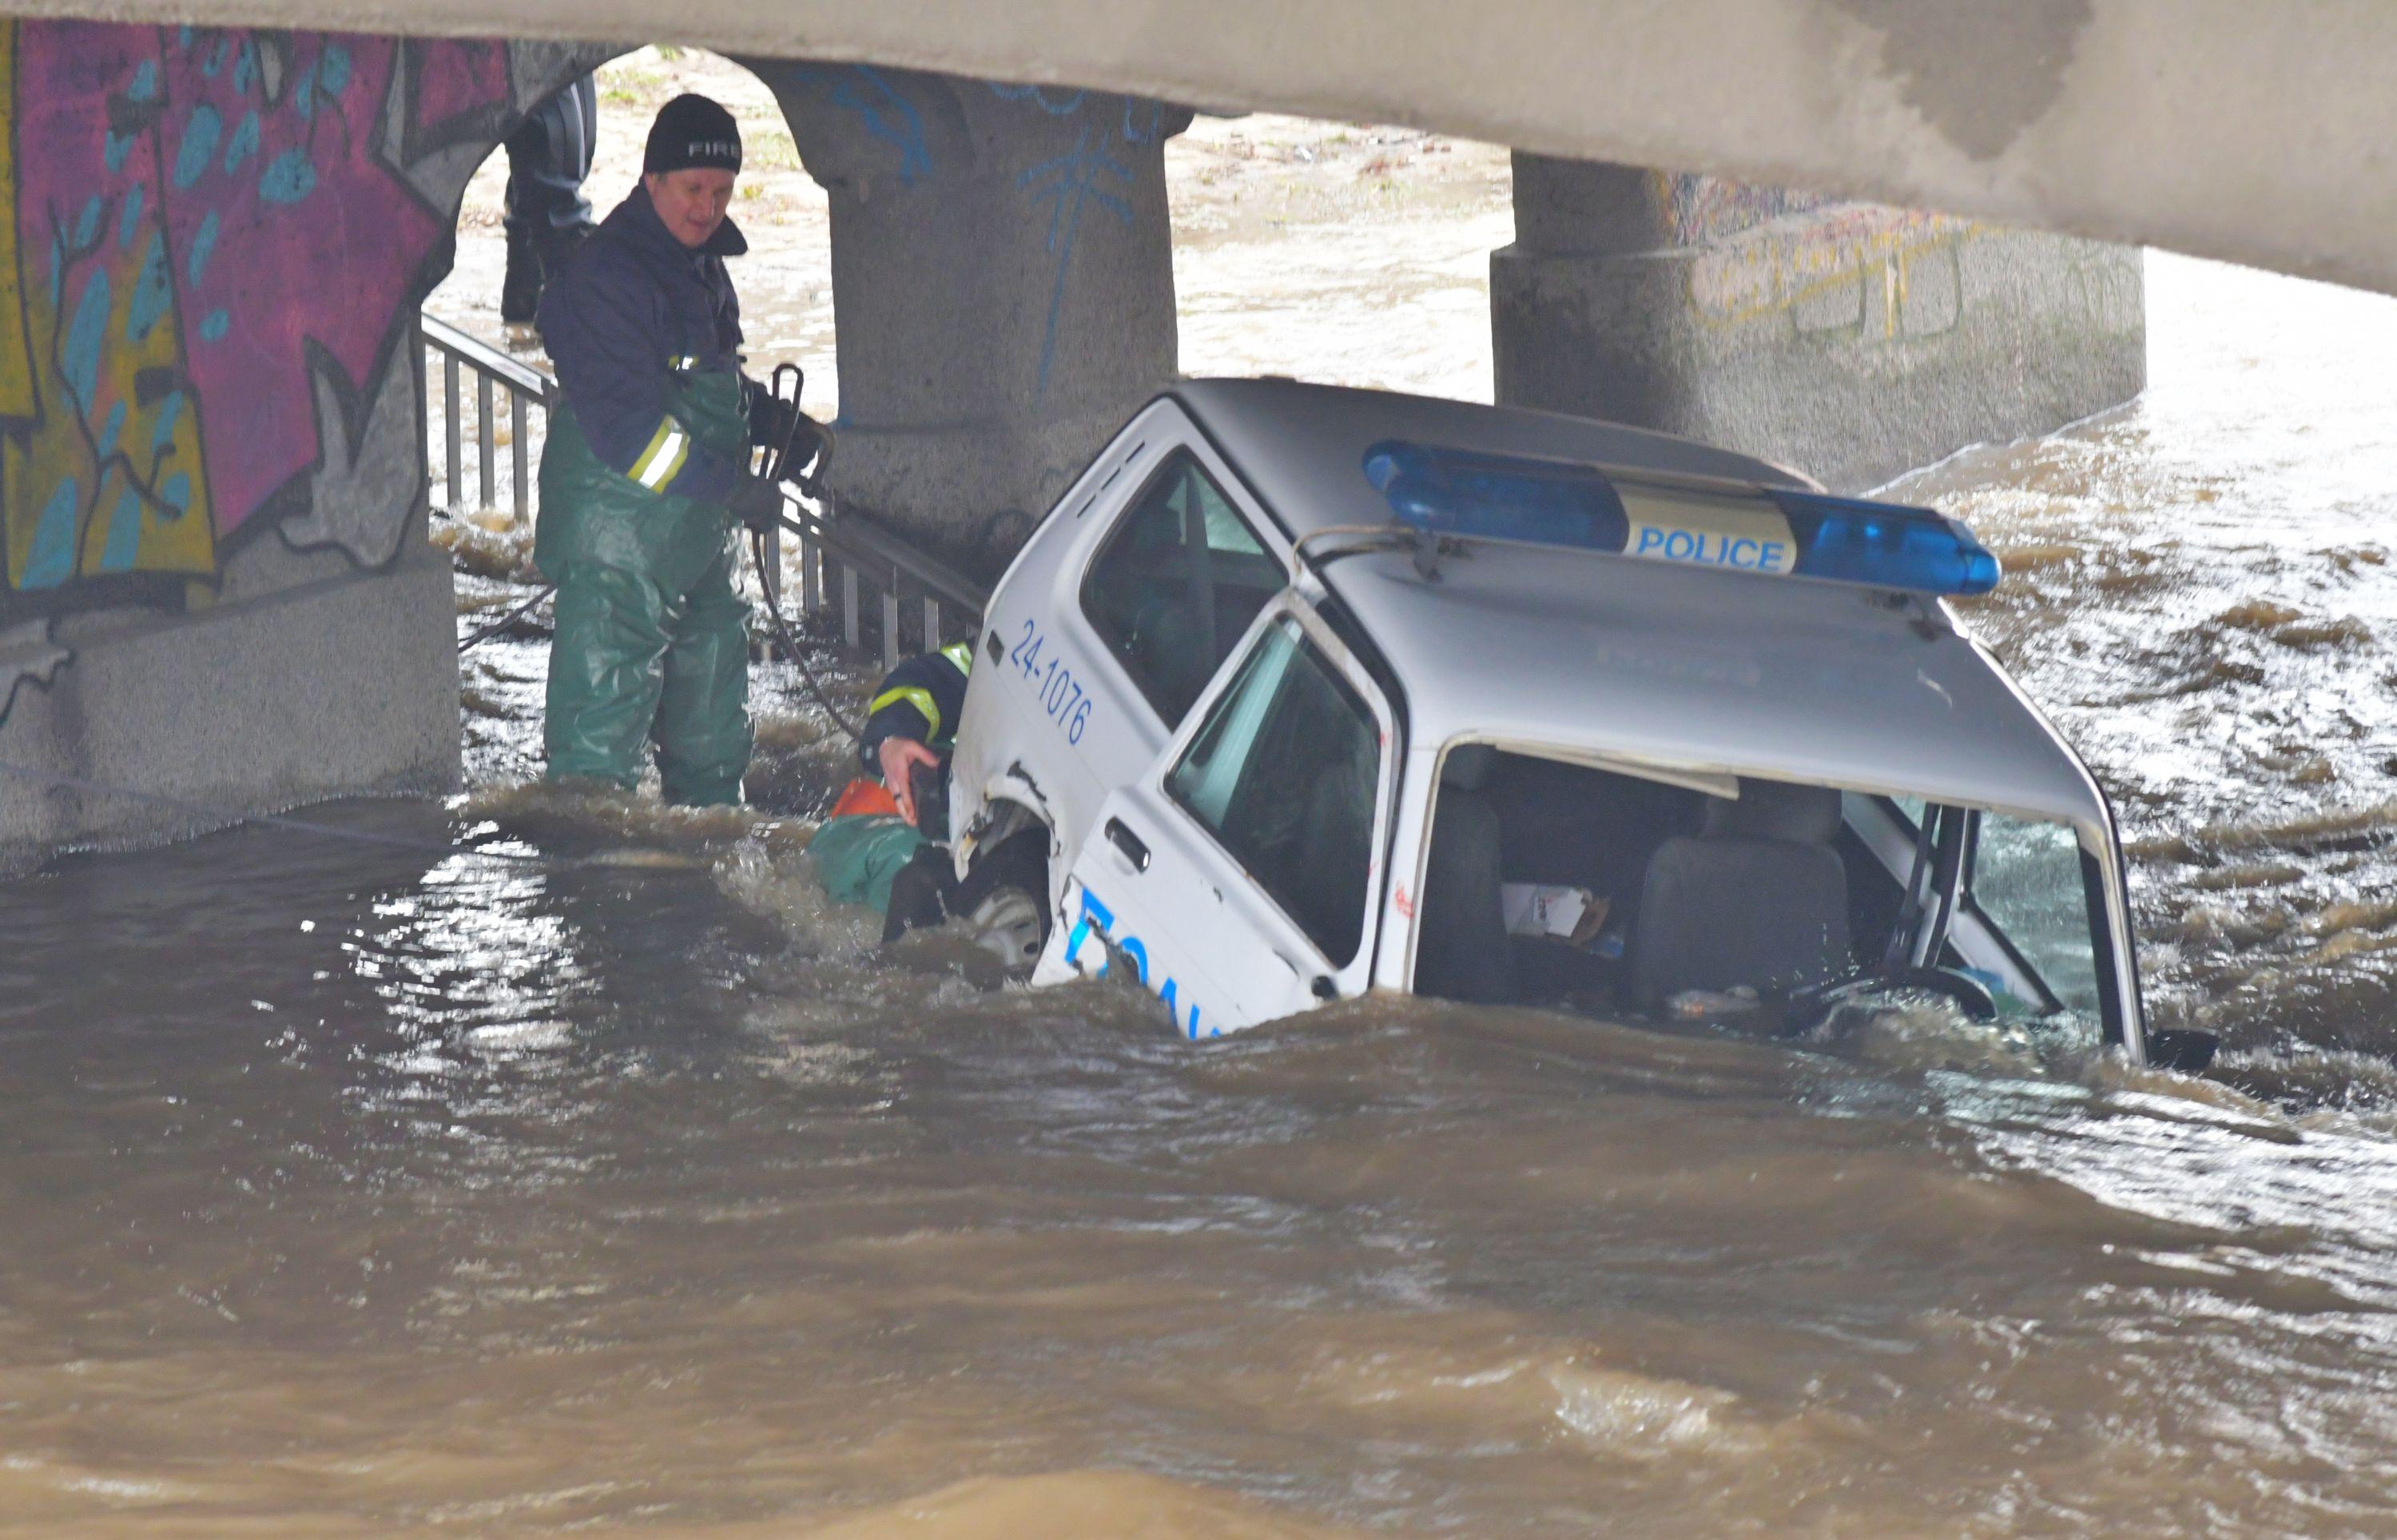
{"x": 546, "y": 216}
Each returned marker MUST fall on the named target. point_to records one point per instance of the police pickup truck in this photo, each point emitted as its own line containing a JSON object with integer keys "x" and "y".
{"x": 1302, "y": 692}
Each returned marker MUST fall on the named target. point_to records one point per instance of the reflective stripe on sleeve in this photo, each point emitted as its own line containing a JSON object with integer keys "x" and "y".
{"x": 914, "y": 695}
{"x": 658, "y": 464}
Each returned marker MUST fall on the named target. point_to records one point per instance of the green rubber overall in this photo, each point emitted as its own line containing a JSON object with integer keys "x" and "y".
{"x": 652, "y": 641}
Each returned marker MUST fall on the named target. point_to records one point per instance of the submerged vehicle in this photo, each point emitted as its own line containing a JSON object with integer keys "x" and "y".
{"x": 1302, "y": 692}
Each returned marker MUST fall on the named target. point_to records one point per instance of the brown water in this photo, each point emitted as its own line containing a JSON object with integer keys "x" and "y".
{"x": 354, "y": 1189}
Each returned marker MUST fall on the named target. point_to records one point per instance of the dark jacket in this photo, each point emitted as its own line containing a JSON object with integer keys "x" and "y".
{"x": 633, "y": 307}
{"x": 918, "y": 700}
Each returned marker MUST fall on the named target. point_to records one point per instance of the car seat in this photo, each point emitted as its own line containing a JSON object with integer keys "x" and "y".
{"x": 1757, "y": 897}
{"x": 1461, "y": 951}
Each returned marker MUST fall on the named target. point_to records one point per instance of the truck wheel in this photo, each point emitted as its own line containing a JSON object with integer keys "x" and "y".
{"x": 1005, "y": 901}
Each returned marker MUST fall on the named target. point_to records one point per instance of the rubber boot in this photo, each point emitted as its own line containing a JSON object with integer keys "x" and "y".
{"x": 520, "y": 287}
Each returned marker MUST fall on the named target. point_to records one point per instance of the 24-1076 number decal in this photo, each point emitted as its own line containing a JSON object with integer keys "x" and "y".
{"x": 1068, "y": 707}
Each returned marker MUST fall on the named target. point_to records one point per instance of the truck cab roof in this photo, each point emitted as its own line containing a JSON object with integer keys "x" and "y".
{"x": 1678, "y": 666}
{"x": 1300, "y": 448}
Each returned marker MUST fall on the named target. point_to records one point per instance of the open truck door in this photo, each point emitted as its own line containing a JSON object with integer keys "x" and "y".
{"x": 1240, "y": 875}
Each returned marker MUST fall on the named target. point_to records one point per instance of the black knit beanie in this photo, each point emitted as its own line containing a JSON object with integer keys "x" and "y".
{"x": 693, "y": 130}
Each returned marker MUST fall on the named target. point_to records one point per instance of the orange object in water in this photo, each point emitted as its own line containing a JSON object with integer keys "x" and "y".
{"x": 862, "y": 798}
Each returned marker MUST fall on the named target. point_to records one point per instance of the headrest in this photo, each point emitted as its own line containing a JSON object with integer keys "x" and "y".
{"x": 1775, "y": 810}
{"x": 1467, "y": 765}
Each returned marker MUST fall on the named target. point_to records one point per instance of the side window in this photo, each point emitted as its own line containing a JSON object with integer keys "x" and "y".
{"x": 1177, "y": 584}
{"x": 1283, "y": 774}
{"x": 2027, "y": 878}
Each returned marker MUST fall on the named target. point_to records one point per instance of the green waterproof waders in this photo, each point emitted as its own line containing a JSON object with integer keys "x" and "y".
{"x": 652, "y": 642}
{"x": 858, "y": 857}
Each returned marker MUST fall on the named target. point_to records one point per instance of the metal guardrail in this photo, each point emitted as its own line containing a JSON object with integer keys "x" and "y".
{"x": 843, "y": 561}
{"x": 459, "y": 354}
{"x": 849, "y": 570}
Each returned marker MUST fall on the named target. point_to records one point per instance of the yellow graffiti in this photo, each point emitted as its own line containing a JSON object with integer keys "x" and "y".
{"x": 102, "y": 472}
{"x": 1767, "y": 271}
{"x": 16, "y": 359}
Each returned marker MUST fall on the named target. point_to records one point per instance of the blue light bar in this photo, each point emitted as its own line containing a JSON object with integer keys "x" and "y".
{"x": 1761, "y": 529}
{"x": 1888, "y": 545}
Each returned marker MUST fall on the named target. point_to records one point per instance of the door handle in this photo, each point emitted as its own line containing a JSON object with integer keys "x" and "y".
{"x": 1129, "y": 843}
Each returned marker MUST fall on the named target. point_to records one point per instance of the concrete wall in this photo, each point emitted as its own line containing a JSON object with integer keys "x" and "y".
{"x": 1848, "y": 340}
{"x": 1002, "y": 267}
{"x": 213, "y": 577}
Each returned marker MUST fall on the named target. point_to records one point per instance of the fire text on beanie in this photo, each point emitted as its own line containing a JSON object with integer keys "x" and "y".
{"x": 693, "y": 130}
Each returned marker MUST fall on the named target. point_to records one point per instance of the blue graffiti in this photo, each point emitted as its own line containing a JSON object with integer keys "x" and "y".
{"x": 51, "y": 560}
{"x": 170, "y": 411}
{"x": 1065, "y": 106}
{"x": 88, "y": 227}
{"x": 153, "y": 293}
{"x": 214, "y": 326}
{"x": 80, "y": 361}
{"x": 1068, "y": 183}
{"x": 124, "y": 533}
{"x": 288, "y": 179}
{"x": 886, "y": 114}
{"x": 204, "y": 246}
{"x": 245, "y": 142}
{"x": 1136, "y": 132}
{"x": 130, "y": 219}
{"x": 200, "y": 135}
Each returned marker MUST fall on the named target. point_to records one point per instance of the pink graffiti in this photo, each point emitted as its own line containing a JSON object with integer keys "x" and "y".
{"x": 289, "y": 238}
{"x": 457, "y": 80}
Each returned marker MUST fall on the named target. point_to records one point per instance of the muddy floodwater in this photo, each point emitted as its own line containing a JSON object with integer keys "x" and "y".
{"x": 597, "y": 1176}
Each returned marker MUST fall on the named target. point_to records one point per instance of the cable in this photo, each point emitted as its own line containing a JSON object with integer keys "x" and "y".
{"x": 776, "y": 469}
{"x": 505, "y": 622}
{"x": 791, "y": 642}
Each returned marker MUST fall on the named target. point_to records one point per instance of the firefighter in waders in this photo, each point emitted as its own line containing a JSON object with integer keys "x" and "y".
{"x": 880, "y": 846}
{"x": 646, "y": 476}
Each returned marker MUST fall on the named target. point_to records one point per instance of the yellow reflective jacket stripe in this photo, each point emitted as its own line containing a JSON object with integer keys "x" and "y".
{"x": 914, "y": 695}
{"x": 663, "y": 459}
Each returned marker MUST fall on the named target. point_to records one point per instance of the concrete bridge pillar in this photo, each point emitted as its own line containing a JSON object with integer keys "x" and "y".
{"x": 1002, "y": 287}
{"x": 1847, "y": 340}
{"x": 216, "y": 594}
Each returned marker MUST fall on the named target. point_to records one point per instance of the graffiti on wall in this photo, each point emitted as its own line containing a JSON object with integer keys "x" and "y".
{"x": 1703, "y": 210}
{"x": 1813, "y": 261}
{"x": 1096, "y": 174}
{"x": 1073, "y": 156}
{"x": 218, "y": 242}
